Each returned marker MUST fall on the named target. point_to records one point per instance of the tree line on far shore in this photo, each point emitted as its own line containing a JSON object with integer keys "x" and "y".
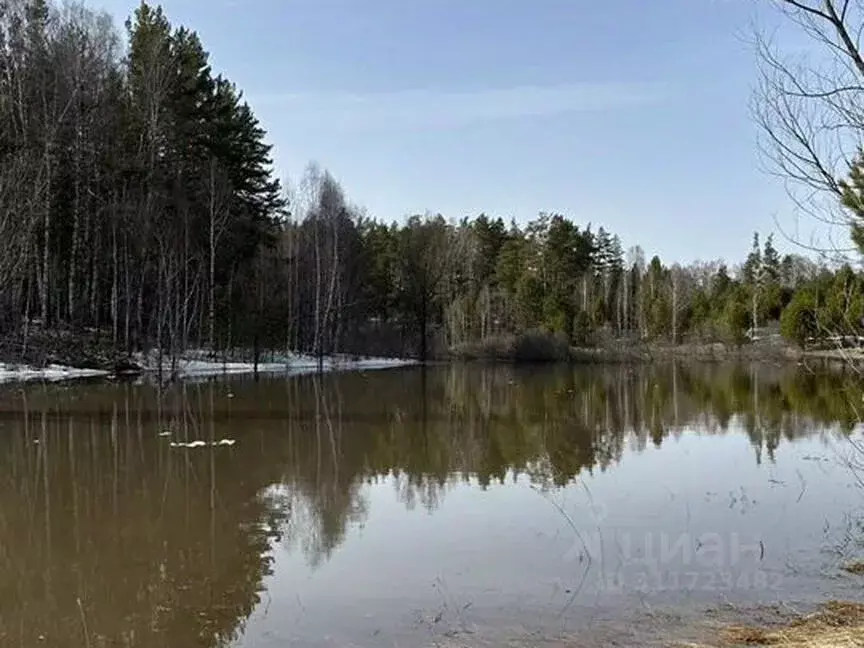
{"x": 138, "y": 202}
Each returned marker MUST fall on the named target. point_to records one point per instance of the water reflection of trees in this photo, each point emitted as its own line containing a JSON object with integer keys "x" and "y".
{"x": 109, "y": 537}
{"x": 427, "y": 431}
{"x": 166, "y": 546}
{"x": 553, "y": 424}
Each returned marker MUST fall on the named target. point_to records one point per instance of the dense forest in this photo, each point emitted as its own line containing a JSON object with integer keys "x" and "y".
{"x": 139, "y": 204}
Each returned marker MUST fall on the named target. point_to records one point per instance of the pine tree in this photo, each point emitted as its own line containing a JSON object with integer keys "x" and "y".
{"x": 721, "y": 283}
{"x": 852, "y": 199}
{"x": 490, "y": 236}
{"x": 770, "y": 262}
{"x": 752, "y": 269}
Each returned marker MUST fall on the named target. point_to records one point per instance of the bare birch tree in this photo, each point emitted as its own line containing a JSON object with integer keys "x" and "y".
{"x": 809, "y": 102}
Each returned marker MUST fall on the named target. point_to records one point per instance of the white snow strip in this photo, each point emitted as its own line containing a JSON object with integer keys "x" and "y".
{"x": 203, "y": 444}
{"x": 51, "y": 373}
{"x": 195, "y": 364}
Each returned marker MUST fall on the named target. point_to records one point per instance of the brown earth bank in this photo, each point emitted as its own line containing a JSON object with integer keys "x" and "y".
{"x": 90, "y": 349}
{"x": 81, "y": 349}
{"x": 835, "y": 624}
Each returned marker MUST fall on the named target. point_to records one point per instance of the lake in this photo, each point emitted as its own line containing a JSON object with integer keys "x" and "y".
{"x": 460, "y": 505}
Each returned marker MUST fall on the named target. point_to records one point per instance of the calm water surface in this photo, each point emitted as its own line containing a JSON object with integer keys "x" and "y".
{"x": 399, "y": 507}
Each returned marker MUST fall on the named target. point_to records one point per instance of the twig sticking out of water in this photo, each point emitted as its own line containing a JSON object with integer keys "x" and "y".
{"x": 83, "y": 622}
{"x": 569, "y": 521}
{"x": 803, "y": 486}
{"x": 586, "y": 553}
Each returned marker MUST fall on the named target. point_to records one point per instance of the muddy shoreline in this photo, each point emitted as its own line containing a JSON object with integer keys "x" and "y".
{"x": 832, "y": 624}
{"x": 94, "y": 350}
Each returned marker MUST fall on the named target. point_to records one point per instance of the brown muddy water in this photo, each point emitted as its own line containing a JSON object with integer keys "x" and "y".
{"x": 460, "y": 505}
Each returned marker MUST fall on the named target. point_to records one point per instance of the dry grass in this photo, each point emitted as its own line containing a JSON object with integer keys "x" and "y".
{"x": 856, "y": 567}
{"x": 837, "y": 624}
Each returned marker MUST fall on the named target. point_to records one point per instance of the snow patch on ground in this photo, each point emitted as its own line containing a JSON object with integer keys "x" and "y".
{"x": 203, "y": 444}
{"x": 51, "y": 373}
{"x": 197, "y": 364}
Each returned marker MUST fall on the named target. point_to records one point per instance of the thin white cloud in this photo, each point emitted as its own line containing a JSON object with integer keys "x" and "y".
{"x": 428, "y": 108}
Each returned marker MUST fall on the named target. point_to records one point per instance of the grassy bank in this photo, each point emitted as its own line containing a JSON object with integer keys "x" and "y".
{"x": 540, "y": 346}
{"x": 836, "y": 624}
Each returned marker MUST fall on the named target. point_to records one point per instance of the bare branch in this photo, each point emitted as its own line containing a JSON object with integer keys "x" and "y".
{"x": 809, "y": 107}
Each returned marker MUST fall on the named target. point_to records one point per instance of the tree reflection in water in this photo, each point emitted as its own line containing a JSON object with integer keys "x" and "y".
{"x": 109, "y": 536}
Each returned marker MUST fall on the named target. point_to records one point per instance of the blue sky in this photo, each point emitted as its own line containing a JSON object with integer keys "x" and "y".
{"x": 632, "y": 114}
